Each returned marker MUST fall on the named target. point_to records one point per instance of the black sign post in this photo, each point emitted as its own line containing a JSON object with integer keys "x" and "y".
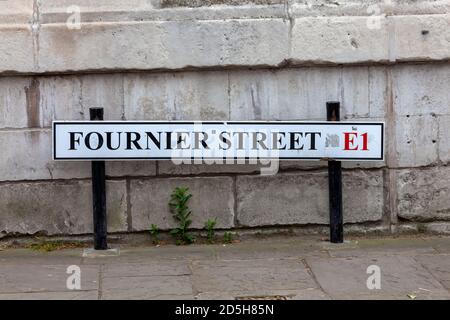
{"x": 99, "y": 193}
{"x": 335, "y": 185}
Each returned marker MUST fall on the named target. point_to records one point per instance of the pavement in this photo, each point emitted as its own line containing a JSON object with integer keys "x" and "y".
{"x": 270, "y": 268}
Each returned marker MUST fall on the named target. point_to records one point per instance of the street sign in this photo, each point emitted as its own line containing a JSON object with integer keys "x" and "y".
{"x": 166, "y": 140}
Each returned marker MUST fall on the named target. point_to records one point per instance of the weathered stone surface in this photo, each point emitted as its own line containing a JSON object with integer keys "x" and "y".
{"x": 347, "y": 277}
{"x": 302, "y": 93}
{"x": 103, "y": 91}
{"x": 54, "y": 11}
{"x": 302, "y": 198}
{"x": 424, "y": 194}
{"x": 421, "y": 90}
{"x": 288, "y": 94}
{"x": 39, "y": 278}
{"x": 180, "y": 96}
{"x": 438, "y": 266}
{"x": 421, "y": 37}
{"x": 17, "y": 52}
{"x": 14, "y": 12}
{"x": 441, "y": 244}
{"x": 14, "y": 102}
{"x": 375, "y": 9}
{"x": 444, "y": 138}
{"x": 60, "y": 99}
{"x": 39, "y": 36}
{"x": 251, "y": 277}
{"x": 406, "y": 228}
{"x": 153, "y": 287}
{"x": 161, "y": 268}
{"x": 70, "y": 97}
{"x": 58, "y": 207}
{"x": 212, "y": 198}
{"x": 198, "y": 3}
{"x": 441, "y": 228}
{"x": 168, "y": 45}
{"x": 416, "y": 140}
{"x": 338, "y": 40}
{"x": 378, "y": 91}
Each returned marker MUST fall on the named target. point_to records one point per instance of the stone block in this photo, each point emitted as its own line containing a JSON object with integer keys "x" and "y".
{"x": 346, "y": 278}
{"x": 439, "y": 228}
{"x": 70, "y": 97}
{"x": 251, "y": 277}
{"x": 378, "y": 91}
{"x": 14, "y": 102}
{"x": 180, "y": 96}
{"x": 33, "y": 278}
{"x": 60, "y": 99}
{"x": 289, "y": 94}
{"x": 212, "y": 198}
{"x": 302, "y": 198}
{"x": 421, "y": 89}
{"x": 147, "y": 288}
{"x": 53, "y": 208}
{"x": 162, "y": 44}
{"x": 17, "y": 54}
{"x": 416, "y": 140}
{"x": 103, "y": 91}
{"x": 444, "y": 138}
{"x": 424, "y": 194}
{"x": 421, "y": 37}
{"x": 338, "y": 40}
{"x": 14, "y": 12}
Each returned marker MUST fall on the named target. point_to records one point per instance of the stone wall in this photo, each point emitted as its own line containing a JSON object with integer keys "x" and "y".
{"x": 225, "y": 60}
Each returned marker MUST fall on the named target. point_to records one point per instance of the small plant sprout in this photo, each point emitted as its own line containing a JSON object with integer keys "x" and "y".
{"x": 154, "y": 231}
{"x": 180, "y": 211}
{"x": 227, "y": 237}
{"x": 209, "y": 226}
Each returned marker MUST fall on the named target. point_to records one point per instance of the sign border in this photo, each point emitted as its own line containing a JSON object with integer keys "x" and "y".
{"x": 288, "y": 122}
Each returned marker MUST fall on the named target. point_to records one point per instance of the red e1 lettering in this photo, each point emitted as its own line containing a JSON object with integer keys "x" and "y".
{"x": 351, "y": 143}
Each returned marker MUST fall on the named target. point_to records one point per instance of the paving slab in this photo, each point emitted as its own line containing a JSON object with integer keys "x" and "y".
{"x": 441, "y": 244}
{"x": 438, "y": 266}
{"x": 16, "y": 278}
{"x": 346, "y": 278}
{"x": 253, "y": 277}
{"x": 152, "y": 287}
{"x": 148, "y": 268}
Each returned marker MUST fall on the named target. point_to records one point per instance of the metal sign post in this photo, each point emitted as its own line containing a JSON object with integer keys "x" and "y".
{"x": 335, "y": 185}
{"x": 99, "y": 193}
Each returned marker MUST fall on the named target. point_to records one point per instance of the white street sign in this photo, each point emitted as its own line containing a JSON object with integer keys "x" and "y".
{"x": 158, "y": 140}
